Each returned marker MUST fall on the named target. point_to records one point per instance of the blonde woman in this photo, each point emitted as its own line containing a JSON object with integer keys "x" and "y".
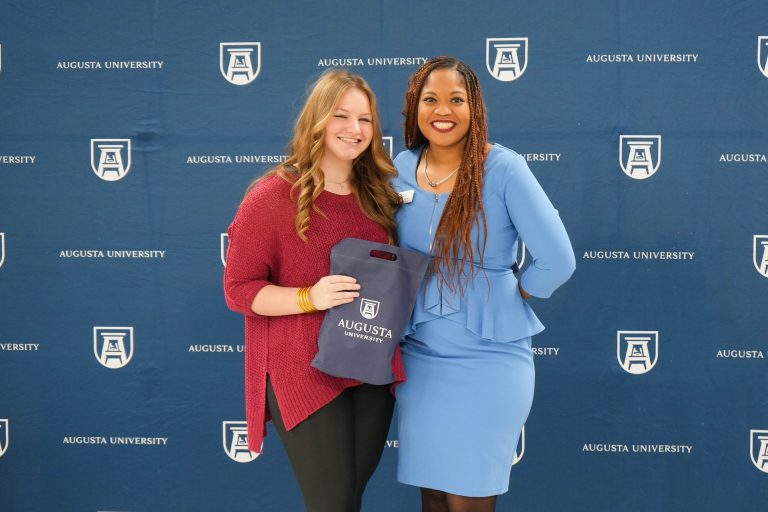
{"x": 335, "y": 184}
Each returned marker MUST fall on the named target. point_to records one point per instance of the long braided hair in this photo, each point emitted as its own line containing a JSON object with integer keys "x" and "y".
{"x": 453, "y": 247}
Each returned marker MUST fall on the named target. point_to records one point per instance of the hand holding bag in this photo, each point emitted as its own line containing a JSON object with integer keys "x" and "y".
{"x": 358, "y": 340}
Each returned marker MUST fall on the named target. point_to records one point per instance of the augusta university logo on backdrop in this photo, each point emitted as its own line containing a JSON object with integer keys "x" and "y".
{"x": 760, "y": 254}
{"x": 520, "y": 450}
{"x": 637, "y": 351}
{"x": 113, "y": 346}
{"x": 240, "y": 63}
{"x": 520, "y": 258}
{"x": 4, "y": 438}
{"x": 111, "y": 158}
{"x": 758, "y": 449}
{"x": 640, "y": 155}
{"x": 224, "y": 248}
{"x": 236, "y": 441}
{"x": 762, "y": 54}
{"x": 506, "y": 57}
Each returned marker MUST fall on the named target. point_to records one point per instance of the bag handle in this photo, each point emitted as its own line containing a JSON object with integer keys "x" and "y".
{"x": 383, "y": 255}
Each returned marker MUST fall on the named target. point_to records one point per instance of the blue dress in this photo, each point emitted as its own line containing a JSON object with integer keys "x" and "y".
{"x": 468, "y": 359}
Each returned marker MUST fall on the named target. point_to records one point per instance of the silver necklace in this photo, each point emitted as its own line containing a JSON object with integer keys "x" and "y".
{"x": 337, "y": 183}
{"x": 435, "y": 184}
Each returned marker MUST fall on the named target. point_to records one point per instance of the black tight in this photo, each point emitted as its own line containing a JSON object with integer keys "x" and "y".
{"x": 439, "y": 501}
{"x": 335, "y": 451}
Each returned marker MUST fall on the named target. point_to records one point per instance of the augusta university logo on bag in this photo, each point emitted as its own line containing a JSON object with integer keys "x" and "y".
{"x": 111, "y": 158}
{"x": 240, "y": 63}
{"x": 760, "y": 254}
{"x": 369, "y": 308}
{"x": 637, "y": 351}
{"x": 762, "y": 54}
{"x": 4, "y": 438}
{"x": 224, "y": 248}
{"x": 758, "y": 449}
{"x": 640, "y": 155}
{"x": 358, "y": 339}
{"x": 113, "y": 346}
{"x": 506, "y": 57}
{"x": 236, "y": 441}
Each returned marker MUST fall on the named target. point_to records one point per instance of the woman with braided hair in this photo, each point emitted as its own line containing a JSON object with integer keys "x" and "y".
{"x": 468, "y": 350}
{"x": 335, "y": 184}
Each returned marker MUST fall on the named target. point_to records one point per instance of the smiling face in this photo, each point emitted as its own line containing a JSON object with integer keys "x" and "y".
{"x": 444, "y": 114}
{"x": 349, "y": 130}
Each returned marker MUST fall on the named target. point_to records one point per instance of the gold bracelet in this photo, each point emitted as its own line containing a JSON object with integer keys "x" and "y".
{"x": 300, "y": 300}
{"x": 303, "y": 300}
{"x": 310, "y": 307}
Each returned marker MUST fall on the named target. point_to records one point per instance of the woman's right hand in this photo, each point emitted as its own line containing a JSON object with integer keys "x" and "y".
{"x": 332, "y": 291}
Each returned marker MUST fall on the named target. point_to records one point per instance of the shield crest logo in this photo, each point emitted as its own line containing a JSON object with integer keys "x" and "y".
{"x": 640, "y": 155}
{"x": 369, "y": 308}
{"x": 235, "y": 439}
{"x": 760, "y": 254}
{"x": 758, "y": 449}
{"x": 2, "y": 249}
{"x": 4, "y": 436}
{"x": 520, "y": 450}
{"x": 762, "y": 54}
{"x": 520, "y": 259}
{"x": 111, "y": 158}
{"x": 388, "y": 146}
{"x": 224, "y": 248}
{"x": 637, "y": 351}
{"x": 240, "y": 63}
{"x": 506, "y": 58}
{"x": 113, "y": 346}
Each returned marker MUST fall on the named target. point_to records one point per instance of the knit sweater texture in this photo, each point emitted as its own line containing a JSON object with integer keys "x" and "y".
{"x": 264, "y": 249}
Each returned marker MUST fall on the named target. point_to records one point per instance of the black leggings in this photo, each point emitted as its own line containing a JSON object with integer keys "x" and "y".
{"x": 335, "y": 451}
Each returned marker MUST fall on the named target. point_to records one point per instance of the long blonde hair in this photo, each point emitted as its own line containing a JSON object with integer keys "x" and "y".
{"x": 372, "y": 171}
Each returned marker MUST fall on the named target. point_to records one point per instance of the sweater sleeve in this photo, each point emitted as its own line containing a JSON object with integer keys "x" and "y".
{"x": 540, "y": 227}
{"x": 253, "y": 251}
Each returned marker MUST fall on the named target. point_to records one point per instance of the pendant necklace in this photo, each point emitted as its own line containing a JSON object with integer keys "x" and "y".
{"x": 435, "y": 184}
{"x": 339, "y": 184}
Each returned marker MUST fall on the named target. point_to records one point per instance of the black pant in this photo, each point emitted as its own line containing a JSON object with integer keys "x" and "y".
{"x": 335, "y": 451}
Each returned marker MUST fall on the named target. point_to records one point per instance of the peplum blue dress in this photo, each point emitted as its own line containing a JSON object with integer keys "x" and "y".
{"x": 468, "y": 358}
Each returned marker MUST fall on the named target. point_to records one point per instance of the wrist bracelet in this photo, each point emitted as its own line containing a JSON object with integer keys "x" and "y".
{"x": 303, "y": 300}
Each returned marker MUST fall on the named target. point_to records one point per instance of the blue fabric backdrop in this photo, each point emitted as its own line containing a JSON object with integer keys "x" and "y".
{"x": 129, "y": 131}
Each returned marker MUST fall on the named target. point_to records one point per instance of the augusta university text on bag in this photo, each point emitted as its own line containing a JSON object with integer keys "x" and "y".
{"x": 357, "y": 340}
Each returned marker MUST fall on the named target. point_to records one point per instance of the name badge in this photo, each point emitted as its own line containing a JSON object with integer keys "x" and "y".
{"x": 407, "y": 196}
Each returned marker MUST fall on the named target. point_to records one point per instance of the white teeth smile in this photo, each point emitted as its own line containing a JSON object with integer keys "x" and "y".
{"x": 350, "y": 140}
{"x": 443, "y": 125}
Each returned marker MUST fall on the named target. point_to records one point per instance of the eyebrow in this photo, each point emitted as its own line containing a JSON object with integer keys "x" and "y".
{"x": 347, "y": 111}
{"x": 457, "y": 91}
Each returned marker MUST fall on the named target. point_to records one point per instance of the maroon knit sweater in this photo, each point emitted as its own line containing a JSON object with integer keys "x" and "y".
{"x": 265, "y": 249}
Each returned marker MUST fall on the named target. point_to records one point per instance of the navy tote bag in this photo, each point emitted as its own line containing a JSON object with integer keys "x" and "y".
{"x": 358, "y": 340}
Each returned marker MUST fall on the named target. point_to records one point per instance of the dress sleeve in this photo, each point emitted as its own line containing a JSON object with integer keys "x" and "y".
{"x": 253, "y": 252}
{"x": 538, "y": 224}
